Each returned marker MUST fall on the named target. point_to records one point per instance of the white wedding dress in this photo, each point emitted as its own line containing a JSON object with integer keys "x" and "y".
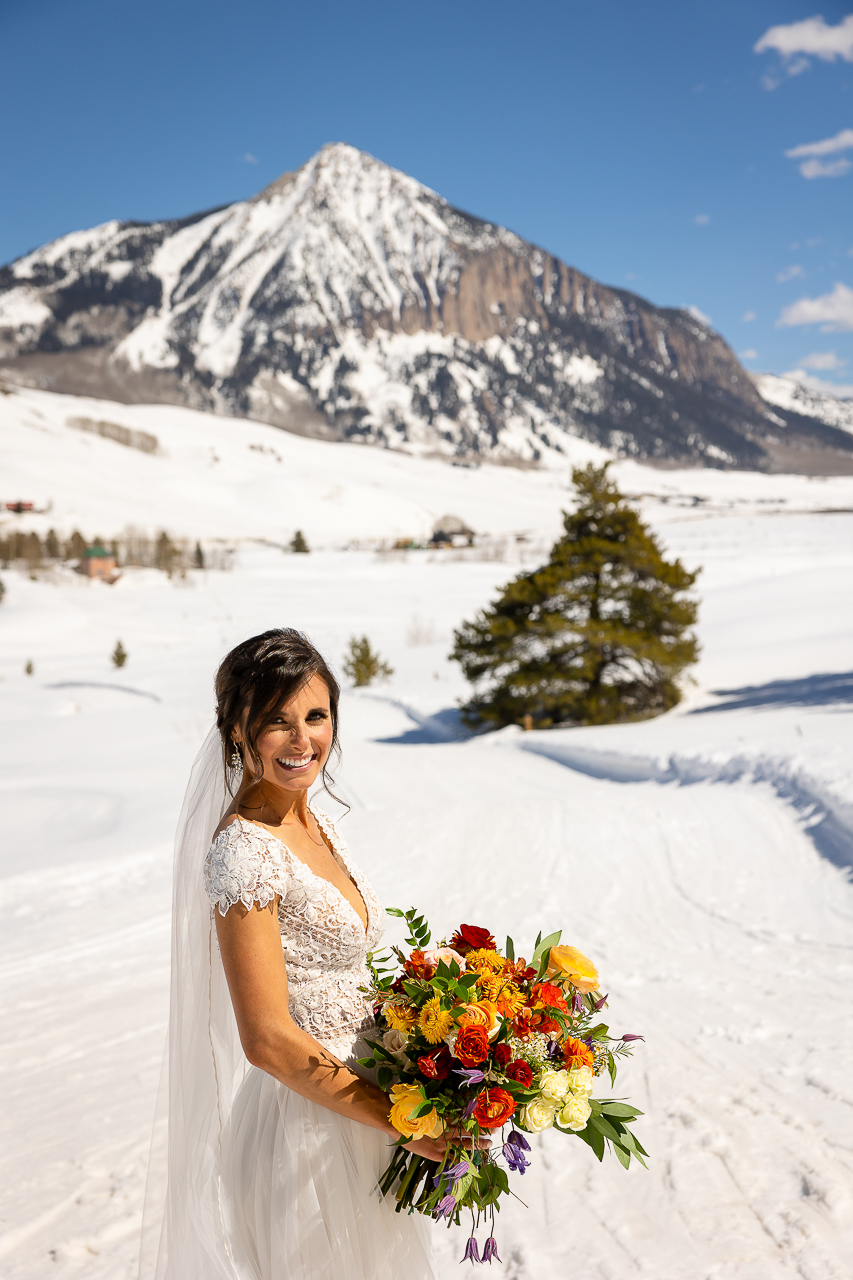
{"x": 261, "y": 1183}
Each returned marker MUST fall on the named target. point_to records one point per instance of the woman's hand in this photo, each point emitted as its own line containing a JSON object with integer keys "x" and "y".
{"x": 436, "y": 1148}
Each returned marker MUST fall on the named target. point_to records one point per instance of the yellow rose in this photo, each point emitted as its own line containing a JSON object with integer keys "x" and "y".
{"x": 567, "y": 964}
{"x": 538, "y": 1115}
{"x": 581, "y": 1081}
{"x": 406, "y": 1099}
{"x": 575, "y": 1114}
{"x": 555, "y": 1085}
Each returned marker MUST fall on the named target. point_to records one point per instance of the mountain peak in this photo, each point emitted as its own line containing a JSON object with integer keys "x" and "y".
{"x": 348, "y": 300}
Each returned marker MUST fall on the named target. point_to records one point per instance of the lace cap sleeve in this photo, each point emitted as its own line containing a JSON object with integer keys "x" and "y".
{"x": 242, "y": 866}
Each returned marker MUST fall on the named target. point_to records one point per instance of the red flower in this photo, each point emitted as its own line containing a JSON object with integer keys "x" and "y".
{"x": 435, "y": 1066}
{"x": 472, "y": 1046}
{"x": 417, "y": 967}
{"x": 547, "y": 996}
{"x": 502, "y": 1053}
{"x": 494, "y": 1107}
{"x": 468, "y": 937}
{"x": 520, "y": 1072}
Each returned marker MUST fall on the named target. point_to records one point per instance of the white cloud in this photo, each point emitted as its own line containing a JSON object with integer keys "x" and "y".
{"x": 247, "y": 158}
{"x": 749, "y": 315}
{"x": 789, "y": 274}
{"x": 699, "y": 315}
{"x": 702, "y": 219}
{"x": 841, "y": 390}
{"x": 832, "y": 311}
{"x": 749, "y": 354}
{"x": 822, "y": 360}
{"x": 842, "y": 141}
{"x": 816, "y": 168}
{"x": 825, "y": 168}
{"x": 813, "y": 36}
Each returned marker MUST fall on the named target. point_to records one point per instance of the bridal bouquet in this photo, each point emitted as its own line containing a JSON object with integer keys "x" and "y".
{"x": 468, "y": 1041}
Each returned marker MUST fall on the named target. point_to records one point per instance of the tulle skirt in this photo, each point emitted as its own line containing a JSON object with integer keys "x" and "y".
{"x": 299, "y": 1193}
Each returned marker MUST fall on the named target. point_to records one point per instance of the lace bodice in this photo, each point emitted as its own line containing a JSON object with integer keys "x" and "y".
{"x": 324, "y": 940}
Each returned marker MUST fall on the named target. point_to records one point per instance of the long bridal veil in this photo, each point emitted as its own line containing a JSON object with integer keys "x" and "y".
{"x": 185, "y": 1233}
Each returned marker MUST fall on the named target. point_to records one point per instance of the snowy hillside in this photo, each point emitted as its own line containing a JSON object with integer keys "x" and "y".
{"x": 702, "y": 859}
{"x": 348, "y": 301}
{"x": 213, "y": 478}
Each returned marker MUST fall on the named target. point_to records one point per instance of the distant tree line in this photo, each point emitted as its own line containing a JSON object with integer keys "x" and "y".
{"x": 174, "y": 556}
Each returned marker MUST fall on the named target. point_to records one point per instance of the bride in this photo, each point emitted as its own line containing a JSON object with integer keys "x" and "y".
{"x": 276, "y": 1137}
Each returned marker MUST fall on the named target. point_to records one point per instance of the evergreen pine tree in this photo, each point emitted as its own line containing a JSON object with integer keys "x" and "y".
{"x": 597, "y": 635}
{"x": 75, "y": 547}
{"x": 28, "y": 667}
{"x": 363, "y": 666}
{"x": 51, "y": 545}
{"x": 298, "y": 543}
{"x": 119, "y": 655}
{"x": 199, "y": 556}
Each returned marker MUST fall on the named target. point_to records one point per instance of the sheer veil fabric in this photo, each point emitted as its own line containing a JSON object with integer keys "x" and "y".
{"x": 247, "y": 1179}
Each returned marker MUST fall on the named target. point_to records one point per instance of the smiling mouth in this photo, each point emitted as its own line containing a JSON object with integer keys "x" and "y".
{"x": 293, "y": 764}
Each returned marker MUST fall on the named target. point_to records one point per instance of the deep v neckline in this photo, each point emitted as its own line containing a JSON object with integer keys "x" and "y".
{"x": 327, "y": 840}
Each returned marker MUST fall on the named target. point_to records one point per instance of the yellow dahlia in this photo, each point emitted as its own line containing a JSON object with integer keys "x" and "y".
{"x": 434, "y": 1021}
{"x": 503, "y": 994}
{"x": 484, "y": 961}
{"x": 399, "y": 1016}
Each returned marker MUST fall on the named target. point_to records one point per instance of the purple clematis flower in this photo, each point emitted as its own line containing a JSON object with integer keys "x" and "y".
{"x": 472, "y": 1253}
{"x": 599, "y": 1004}
{"x": 469, "y": 1110}
{"x": 445, "y": 1208}
{"x": 518, "y": 1140}
{"x": 471, "y": 1075}
{"x": 577, "y": 1003}
{"x": 490, "y": 1250}
{"x": 515, "y": 1157}
{"x": 554, "y": 1049}
{"x": 633, "y": 1037}
{"x": 455, "y": 1172}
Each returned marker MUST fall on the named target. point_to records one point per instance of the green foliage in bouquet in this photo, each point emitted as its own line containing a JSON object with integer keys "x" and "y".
{"x": 597, "y": 635}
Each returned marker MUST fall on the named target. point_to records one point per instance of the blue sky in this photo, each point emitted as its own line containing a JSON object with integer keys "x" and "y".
{"x": 644, "y": 144}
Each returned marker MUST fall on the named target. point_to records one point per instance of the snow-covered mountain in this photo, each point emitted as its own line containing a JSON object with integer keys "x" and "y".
{"x": 348, "y": 301}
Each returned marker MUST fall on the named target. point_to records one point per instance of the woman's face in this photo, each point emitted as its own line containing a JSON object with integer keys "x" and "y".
{"x": 295, "y": 742}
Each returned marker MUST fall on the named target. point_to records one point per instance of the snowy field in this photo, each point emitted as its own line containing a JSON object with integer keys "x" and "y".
{"x": 700, "y": 859}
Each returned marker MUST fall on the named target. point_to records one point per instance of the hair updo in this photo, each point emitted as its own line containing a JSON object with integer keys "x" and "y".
{"x": 255, "y": 679}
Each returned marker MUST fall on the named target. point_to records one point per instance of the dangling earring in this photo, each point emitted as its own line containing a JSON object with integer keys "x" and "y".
{"x": 235, "y": 763}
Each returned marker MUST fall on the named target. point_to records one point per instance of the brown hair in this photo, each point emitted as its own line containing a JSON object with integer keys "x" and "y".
{"x": 253, "y": 681}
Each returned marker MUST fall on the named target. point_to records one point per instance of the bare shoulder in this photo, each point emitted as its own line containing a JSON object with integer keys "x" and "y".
{"x": 230, "y": 819}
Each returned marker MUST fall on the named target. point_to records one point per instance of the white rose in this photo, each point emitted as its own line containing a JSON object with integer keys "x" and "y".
{"x": 538, "y": 1115}
{"x": 395, "y": 1042}
{"x": 575, "y": 1114}
{"x": 555, "y": 1085}
{"x": 581, "y": 1081}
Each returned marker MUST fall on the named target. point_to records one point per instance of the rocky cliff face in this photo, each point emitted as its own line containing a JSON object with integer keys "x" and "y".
{"x": 348, "y": 301}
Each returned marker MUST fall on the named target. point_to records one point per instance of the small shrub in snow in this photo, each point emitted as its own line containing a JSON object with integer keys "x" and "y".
{"x": 362, "y": 666}
{"x": 298, "y": 543}
{"x": 599, "y": 634}
{"x": 119, "y": 655}
{"x": 28, "y": 667}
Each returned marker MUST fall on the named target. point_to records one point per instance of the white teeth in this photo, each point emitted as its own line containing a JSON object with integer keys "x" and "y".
{"x": 295, "y": 762}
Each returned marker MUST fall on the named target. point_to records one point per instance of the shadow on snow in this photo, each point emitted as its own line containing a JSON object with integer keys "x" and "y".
{"x": 809, "y": 691}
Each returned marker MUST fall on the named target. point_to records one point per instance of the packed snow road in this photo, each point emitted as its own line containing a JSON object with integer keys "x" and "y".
{"x": 723, "y": 934}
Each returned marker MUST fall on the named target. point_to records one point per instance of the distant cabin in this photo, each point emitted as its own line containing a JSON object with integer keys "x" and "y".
{"x": 97, "y": 562}
{"x": 451, "y": 531}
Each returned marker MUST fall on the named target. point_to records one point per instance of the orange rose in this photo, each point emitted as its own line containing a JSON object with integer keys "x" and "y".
{"x": 472, "y": 1046}
{"x": 567, "y": 964}
{"x": 494, "y": 1107}
{"x": 480, "y": 1013}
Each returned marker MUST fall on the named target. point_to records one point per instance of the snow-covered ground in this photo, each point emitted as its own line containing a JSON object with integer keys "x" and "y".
{"x": 701, "y": 858}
